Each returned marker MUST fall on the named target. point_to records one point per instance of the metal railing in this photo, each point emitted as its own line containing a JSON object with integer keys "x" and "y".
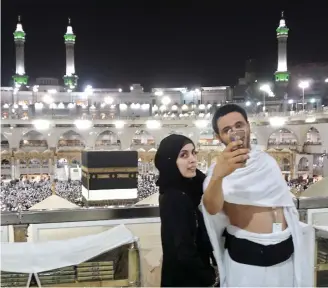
{"x": 24, "y": 218}
{"x": 96, "y": 115}
{"x": 116, "y": 212}
{"x": 78, "y": 215}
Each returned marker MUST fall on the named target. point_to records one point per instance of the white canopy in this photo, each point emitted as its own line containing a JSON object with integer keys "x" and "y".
{"x": 317, "y": 189}
{"x": 36, "y": 257}
{"x": 151, "y": 200}
{"x": 54, "y": 202}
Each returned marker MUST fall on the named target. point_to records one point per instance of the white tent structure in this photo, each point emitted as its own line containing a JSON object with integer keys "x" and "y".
{"x": 151, "y": 200}
{"x": 54, "y": 202}
{"x": 317, "y": 189}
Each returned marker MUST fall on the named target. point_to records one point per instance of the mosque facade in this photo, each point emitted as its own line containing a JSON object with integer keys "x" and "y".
{"x": 54, "y": 119}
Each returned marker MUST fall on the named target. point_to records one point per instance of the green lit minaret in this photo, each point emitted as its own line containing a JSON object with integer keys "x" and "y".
{"x": 282, "y": 74}
{"x": 70, "y": 79}
{"x": 20, "y": 78}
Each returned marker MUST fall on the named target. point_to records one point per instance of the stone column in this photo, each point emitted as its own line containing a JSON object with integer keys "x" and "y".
{"x": 17, "y": 169}
{"x": 134, "y": 266}
{"x": 20, "y": 233}
{"x": 12, "y": 166}
{"x": 325, "y": 167}
{"x": 50, "y": 167}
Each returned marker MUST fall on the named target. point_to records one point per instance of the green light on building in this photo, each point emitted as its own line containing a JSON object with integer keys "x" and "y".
{"x": 69, "y": 37}
{"x": 281, "y": 76}
{"x": 20, "y": 79}
{"x": 70, "y": 81}
{"x": 282, "y": 31}
{"x": 19, "y": 35}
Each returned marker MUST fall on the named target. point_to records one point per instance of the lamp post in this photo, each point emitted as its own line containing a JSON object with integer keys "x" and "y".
{"x": 291, "y": 101}
{"x": 303, "y": 85}
{"x": 88, "y": 91}
{"x": 265, "y": 88}
{"x": 35, "y": 93}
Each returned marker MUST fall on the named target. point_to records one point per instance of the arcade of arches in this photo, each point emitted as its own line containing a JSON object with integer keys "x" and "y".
{"x": 39, "y": 151}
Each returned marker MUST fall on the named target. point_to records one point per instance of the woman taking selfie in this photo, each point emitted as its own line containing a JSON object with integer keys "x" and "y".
{"x": 186, "y": 246}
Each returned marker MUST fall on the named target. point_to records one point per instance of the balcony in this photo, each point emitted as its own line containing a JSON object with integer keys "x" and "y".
{"x": 132, "y": 264}
{"x": 282, "y": 145}
{"x": 313, "y": 148}
{"x": 112, "y": 253}
{"x": 5, "y": 170}
{"x": 194, "y": 114}
{"x": 303, "y": 168}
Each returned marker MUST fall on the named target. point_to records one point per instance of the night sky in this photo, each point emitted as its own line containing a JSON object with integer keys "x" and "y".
{"x": 161, "y": 43}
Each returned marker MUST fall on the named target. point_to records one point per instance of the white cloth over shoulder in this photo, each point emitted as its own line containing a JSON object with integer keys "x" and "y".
{"x": 30, "y": 257}
{"x": 261, "y": 184}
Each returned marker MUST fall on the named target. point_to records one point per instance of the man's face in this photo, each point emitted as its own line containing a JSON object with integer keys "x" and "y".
{"x": 232, "y": 121}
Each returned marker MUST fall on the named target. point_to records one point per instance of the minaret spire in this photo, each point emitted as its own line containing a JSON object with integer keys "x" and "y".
{"x": 19, "y": 37}
{"x": 282, "y": 74}
{"x": 70, "y": 79}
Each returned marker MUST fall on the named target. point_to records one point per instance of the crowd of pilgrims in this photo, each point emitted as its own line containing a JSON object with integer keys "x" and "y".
{"x": 17, "y": 195}
{"x": 21, "y": 194}
{"x": 300, "y": 184}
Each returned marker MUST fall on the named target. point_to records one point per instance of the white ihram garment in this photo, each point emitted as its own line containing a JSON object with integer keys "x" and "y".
{"x": 261, "y": 184}
{"x": 243, "y": 275}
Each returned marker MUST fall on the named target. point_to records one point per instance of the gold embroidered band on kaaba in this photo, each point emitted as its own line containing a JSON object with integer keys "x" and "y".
{"x": 110, "y": 169}
{"x": 114, "y": 176}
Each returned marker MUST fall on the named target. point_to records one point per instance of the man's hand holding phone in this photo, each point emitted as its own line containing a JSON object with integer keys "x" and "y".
{"x": 230, "y": 159}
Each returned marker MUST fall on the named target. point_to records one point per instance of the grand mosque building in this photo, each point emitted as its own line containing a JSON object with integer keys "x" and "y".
{"x": 47, "y": 125}
{"x": 46, "y": 120}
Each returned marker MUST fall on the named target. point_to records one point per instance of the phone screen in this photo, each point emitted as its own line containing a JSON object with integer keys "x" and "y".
{"x": 236, "y": 135}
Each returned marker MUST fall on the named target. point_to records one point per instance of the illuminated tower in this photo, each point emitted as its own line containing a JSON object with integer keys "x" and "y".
{"x": 282, "y": 74}
{"x": 19, "y": 37}
{"x": 70, "y": 79}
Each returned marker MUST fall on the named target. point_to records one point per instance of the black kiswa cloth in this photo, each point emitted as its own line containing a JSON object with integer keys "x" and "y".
{"x": 108, "y": 159}
{"x": 113, "y": 182}
{"x": 109, "y": 170}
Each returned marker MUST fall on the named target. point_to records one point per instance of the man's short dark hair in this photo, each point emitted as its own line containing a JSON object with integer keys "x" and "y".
{"x": 224, "y": 110}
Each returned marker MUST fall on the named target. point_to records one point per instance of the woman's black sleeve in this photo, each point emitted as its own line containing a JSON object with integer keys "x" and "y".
{"x": 179, "y": 218}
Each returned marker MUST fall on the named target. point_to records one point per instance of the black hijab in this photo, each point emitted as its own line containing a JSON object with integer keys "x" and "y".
{"x": 170, "y": 177}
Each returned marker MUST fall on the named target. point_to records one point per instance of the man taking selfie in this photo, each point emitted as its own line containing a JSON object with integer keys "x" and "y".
{"x": 249, "y": 212}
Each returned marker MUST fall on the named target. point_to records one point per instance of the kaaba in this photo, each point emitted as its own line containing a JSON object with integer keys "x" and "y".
{"x": 109, "y": 175}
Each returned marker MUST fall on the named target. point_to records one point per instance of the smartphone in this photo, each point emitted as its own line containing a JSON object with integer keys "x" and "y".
{"x": 236, "y": 135}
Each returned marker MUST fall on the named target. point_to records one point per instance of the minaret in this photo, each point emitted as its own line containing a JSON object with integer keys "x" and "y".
{"x": 19, "y": 37}
{"x": 70, "y": 79}
{"x": 282, "y": 74}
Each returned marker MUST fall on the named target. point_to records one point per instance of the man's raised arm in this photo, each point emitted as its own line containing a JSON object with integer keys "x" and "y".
{"x": 226, "y": 162}
{"x": 213, "y": 196}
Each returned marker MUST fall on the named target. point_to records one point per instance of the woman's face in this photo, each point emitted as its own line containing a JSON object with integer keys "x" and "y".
{"x": 187, "y": 161}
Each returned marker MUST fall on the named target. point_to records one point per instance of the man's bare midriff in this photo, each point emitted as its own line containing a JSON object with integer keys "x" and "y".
{"x": 254, "y": 219}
